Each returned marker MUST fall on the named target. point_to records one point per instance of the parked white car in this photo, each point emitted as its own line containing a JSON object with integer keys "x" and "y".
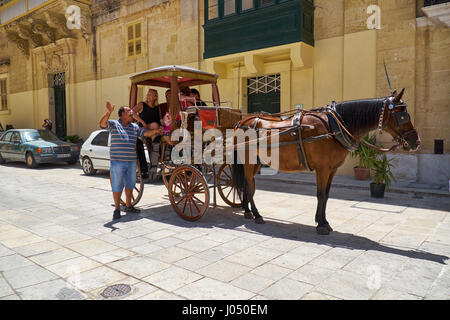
{"x": 94, "y": 153}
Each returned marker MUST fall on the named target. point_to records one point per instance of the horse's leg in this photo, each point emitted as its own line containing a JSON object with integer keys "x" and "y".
{"x": 247, "y": 212}
{"x": 250, "y": 176}
{"x": 330, "y": 180}
{"x": 322, "y": 177}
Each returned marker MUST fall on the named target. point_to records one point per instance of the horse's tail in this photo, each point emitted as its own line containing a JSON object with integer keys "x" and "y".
{"x": 237, "y": 174}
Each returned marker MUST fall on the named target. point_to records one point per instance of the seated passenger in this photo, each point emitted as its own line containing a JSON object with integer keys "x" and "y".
{"x": 195, "y": 94}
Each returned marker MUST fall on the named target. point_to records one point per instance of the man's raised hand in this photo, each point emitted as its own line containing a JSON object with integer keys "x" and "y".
{"x": 109, "y": 106}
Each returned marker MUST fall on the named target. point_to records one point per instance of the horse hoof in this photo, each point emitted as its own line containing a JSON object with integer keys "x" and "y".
{"x": 248, "y": 215}
{"x": 328, "y": 227}
{"x": 259, "y": 220}
{"x": 323, "y": 231}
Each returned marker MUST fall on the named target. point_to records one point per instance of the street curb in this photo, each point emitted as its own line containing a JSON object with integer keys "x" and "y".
{"x": 415, "y": 192}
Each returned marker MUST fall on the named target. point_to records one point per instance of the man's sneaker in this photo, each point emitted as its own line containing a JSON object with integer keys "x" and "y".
{"x": 132, "y": 210}
{"x": 116, "y": 215}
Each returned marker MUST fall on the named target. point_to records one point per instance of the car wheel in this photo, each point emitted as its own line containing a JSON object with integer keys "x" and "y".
{"x": 88, "y": 167}
{"x": 2, "y": 161}
{"x": 31, "y": 162}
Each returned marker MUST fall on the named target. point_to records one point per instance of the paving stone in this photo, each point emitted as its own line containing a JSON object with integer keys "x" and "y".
{"x": 139, "y": 266}
{"x": 167, "y": 242}
{"x": 336, "y": 258}
{"x": 198, "y": 244}
{"x": 286, "y": 289}
{"x": 160, "y": 234}
{"x": 37, "y": 248}
{"x": 13, "y": 262}
{"x": 138, "y": 289}
{"x": 170, "y": 255}
{"x": 132, "y": 242}
{"x": 5, "y": 251}
{"x": 172, "y": 278}
{"x": 349, "y": 286}
{"x": 210, "y": 289}
{"x": 215, "y": 254}
{"x": 73, "y": 266}
{"x": 68, "y": 237}
{"x": 254, "y": 257}
{"x": 51, "y": 290}
{"x": 160, "y": 295}
{"x": 252, "y": 282}
{"x": 11, "y": 297}
{"x": 224, "y": 270}
{"x": 311, "y": 274}
{"x": 91, "y": 247}
{"x": 95, "y": 278}
{"x": 389, "y": 294}
{"x": 27, "y": 276}
{"x": 146, "y": 248}
{"x": 17, "y": 242}
{"x": 192, "y": 263}
{"x": 271, "y": 271}
{"x": 54, "y": 256}
{"x": 318, "y": 296}
{"x": 5, "y": 289}
{"x": 291, "y": 261}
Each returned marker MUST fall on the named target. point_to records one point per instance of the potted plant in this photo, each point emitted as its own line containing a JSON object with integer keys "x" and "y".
{"x": 75, "y": 139}
{"x": 382, "y": 175}
{"x": 366, "y": 157}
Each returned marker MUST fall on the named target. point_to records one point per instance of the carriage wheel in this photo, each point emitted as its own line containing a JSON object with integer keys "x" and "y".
{"x": 138, "y": 188}
{"x": 227, "y": 192}
{"x": 188, "y": 193}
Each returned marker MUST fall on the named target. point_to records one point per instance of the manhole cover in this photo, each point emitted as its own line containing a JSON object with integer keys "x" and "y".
{"x": 116, "y": 290}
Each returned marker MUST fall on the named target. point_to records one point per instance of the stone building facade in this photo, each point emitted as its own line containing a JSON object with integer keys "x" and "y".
{"x": 302, "y": 52}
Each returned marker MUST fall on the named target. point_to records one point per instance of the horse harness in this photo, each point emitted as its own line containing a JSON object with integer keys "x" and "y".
{"x": 337, "y": 128}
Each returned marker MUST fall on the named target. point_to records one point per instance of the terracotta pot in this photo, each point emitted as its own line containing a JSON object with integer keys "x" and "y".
{"x": 361, "y": 173}
{"x": 377, "y": 190}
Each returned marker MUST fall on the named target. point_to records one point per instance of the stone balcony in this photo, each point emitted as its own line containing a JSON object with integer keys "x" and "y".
{"x": 36, "y": 23}
{"x": 438, "y": 11}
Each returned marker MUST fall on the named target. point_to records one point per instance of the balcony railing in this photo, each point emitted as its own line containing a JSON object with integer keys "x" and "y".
{"x": 428, "y": 3}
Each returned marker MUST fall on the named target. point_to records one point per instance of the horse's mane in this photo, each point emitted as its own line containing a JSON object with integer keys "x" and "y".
{"x": 360, "y": 115}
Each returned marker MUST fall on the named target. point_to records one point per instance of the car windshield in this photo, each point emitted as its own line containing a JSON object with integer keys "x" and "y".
{"x": 40, "y": 135}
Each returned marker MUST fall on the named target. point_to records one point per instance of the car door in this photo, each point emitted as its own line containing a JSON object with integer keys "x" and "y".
{"x": 99, "y": 150}
{"x": 5, "y": 145}
{"x": 16, "y": 141}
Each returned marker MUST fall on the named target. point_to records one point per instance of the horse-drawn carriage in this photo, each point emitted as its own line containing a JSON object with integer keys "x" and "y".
{"x": 189, "y": 185}
{"x": 317, "y": 140}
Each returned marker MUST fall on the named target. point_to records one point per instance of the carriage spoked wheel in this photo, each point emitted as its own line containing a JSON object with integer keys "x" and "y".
{"x": 227, "y": 192}
{"x": 138, "y": 188}
{"x": 188, "y": 193}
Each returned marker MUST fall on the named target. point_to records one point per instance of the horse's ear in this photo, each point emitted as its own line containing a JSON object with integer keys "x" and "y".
{"x": 394, "y": 93}
{"x": 399, "y": 96}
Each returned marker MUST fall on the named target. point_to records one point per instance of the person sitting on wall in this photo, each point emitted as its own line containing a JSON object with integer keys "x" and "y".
{"x": 195, "y": 94}
{"x": 47, "y": 125}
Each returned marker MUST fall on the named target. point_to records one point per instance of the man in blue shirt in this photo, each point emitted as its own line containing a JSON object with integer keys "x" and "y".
{"x": 123, "y": 153}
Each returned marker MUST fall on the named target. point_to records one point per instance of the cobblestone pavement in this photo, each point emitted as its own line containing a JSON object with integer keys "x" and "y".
{"x": 57, "y": 241}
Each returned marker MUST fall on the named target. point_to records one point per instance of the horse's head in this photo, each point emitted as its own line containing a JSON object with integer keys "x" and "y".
{"x": 395, "y": 120}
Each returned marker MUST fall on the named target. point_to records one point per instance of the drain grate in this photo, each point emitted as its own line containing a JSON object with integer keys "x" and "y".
{"x": 116, "y": 290}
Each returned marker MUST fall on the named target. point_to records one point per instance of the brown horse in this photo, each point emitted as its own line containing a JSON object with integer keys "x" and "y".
{"x": 325, "y": 156}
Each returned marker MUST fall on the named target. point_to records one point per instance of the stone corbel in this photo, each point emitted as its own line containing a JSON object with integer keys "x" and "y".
{"x": 254, "y": 64}
{"x": 301, "y": 56}
{"x": 22, "y": 44}
{"x": 25, "y": 32}
{"x": 216, "y": 67}
{"x": 41, "y": 27}
{"x": 58, "y": 21}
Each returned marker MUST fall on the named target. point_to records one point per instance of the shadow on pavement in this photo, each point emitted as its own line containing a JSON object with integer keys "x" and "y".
{"x": 358, "y": 194}
{"x": 229, "y": 218}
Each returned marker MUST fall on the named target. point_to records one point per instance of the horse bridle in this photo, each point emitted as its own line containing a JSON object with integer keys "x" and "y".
{"x": 400, "y": 118}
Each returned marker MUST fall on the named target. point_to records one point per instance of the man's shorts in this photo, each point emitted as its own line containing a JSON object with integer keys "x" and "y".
{"x": 123, "y": 173}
